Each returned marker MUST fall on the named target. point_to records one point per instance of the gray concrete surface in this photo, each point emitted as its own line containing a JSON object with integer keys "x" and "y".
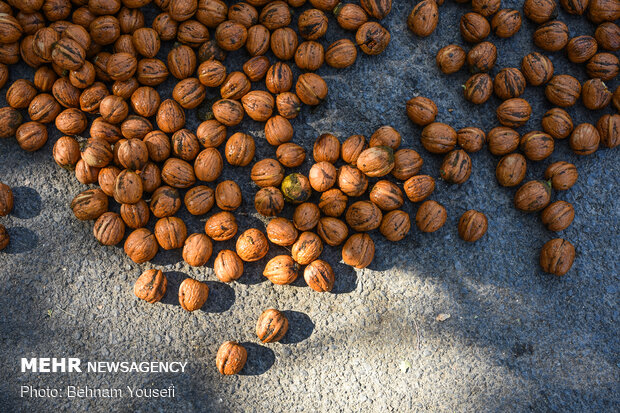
{"x": 517, "y": 339}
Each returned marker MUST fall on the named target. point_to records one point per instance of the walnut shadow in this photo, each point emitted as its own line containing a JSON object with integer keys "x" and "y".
{"x": 300, "y": 327}
{"x": 260, "y": 359}
{"x": 175, "y": 278}
{"x": 221, "y": 297}
{"x": 21, "y": 240}
{"x": 27, "y": 202}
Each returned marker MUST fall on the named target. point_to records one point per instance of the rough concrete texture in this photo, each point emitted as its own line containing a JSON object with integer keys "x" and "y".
{"x": 517, "y": 339}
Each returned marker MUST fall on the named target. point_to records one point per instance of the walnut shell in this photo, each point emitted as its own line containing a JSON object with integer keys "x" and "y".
{"x": 141, "y": 245}
{"x": 422, "y": 110}
{"x": 537, "y": 145}
{"x": 506, "y": 23}
{"x": 358, "y": 251}
{"x": 450, "y": 59}
{"x": 322, "y": 176}
{"x": 341, "y": 54}
{"x": 109, "y": 228}
{"x": 31, "y": 136}
{"x": 288, "y": 105}
{"x": 595, "y": 95}
{"x": 231, "y": 358}
{"x": 386, "y": 195}
{"x": 557, "y": 123}
{"x": 165, "y": 202}
{"x": 193, "y": 294}
{"x": 319, "y": 276}
{"x": 228, "y": 195}
{"x": 585, "y": 139}
{"x": 395, "y": 225}
{"x": 537, "y": 68}
{"x": 385, "y": 136}
{"x": 326, "y": 148}
{"x": 279, "y": 78}
{"x": 478, "y": 88}
{"x": 221, "y": 226}
{"x": 151, "y": 286}
{"x": 311, "y": 89}
{"x": 608, "y": 127}
{"x": 252, "y": 245}
{"x": 197, "y": 250}
{"x": 136, "y": 215}
{"x": 258, "y": 105}
{"x": 509, "y": 83}
{"x": 533, "y": 196}
{"x": 363, "y": 216}
{"x": 281, "y": 231}
{"x": 419, "y": 187}
{"x": 278, "y": 130}
{"x": 352, "y": 181}
{"x": 511, "y": 169}
{"x": 170, "y": 116}
{"x": 10, "y": 119}
{"x": 306, "y": 216}
{"x": 307, "y": 248}
{"x": 470, "y": 139}
{"x": 281, "y": 270}
{"x": 332, "y": 231}
{"x": 438, "y": 138}
{"x": 333, "y": 202}
{"x": 581, "y": 48}
{"x": 551, "y": 36}
{"x": 170, "y": 232}
{"x": 352, "y": 148}
{"x": 271, "y": 326}
{"x": 540, "y": 11}
{"x": 296, "y": 188}
{"x": 558, "y": 215}
{"x": 431, "y": 216}
{"x": 350, "y": 16}
{"x": 502, "y": 140}
{"x": 208, "y": 165}
{"x": 128, "y": 187}
{"x": 267, "y": 172}
{"x": 514, "y": 112}
{"x": 472, "y": 225}
{"x": 456, "y": 167}
{"x": 557, "y": 256}
{"x": 199, "y": 200}
{"x": 89, "y": 205}
{"x": 256, "y": 68}
{"x": 372, "y": 38}
{"x": 145, "y": 101}
{"x": 269, "y": 201}
{"x": 423, "y": 19}
{"x": 6, "y": 200}
{"x": 563, "y": 90}
{"x": 228, "y": 266}
{"x": 482, "y": 58}
{"x": 562, "y": 175}
{"x": 240, "y": 149}
{"x": 178, "y": 173}
{"x": 4, "y": 237}
{"x": 474, "y": 27}
{"x": 407, "y": 163}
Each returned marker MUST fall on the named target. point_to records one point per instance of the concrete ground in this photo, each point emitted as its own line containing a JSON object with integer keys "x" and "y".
{"x": 516, "y": 340}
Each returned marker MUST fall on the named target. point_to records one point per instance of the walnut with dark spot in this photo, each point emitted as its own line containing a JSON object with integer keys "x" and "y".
{"x": 151, "y": 286}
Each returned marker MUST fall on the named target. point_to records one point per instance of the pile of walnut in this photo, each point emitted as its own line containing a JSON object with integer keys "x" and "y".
{"x": 552, "y": 35}
{"x": 98, "y": 67}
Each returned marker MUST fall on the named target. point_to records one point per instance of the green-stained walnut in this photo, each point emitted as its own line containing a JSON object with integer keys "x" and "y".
{"x": 296, "y": 188}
